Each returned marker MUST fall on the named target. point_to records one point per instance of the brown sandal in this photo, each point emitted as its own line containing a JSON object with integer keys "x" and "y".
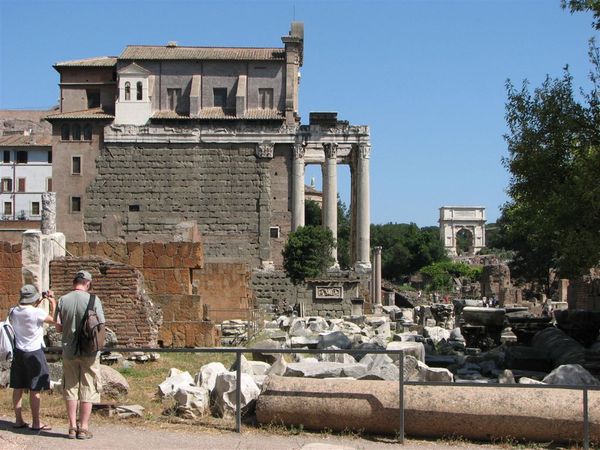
{"x": 72, "y": 433}
{"x": 84, "y": 434}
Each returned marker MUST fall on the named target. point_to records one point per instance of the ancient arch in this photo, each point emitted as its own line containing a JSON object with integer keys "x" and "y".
{"x": 454, "y": 219}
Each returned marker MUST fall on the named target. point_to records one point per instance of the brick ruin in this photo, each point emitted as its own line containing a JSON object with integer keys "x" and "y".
{"x": 10, "y": 276}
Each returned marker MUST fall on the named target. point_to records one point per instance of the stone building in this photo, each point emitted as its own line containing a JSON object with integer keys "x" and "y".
{"x": 161, "y": 136}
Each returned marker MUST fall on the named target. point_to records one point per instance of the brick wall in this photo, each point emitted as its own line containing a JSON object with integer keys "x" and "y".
{"x": 167, "y": 270}
{"x": 10, "y": 276}
{"x": 166, "y": 266}
{"x": 129, "y": 312}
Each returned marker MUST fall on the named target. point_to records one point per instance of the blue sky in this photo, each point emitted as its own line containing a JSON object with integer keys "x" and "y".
{"x": 428, "y": 77}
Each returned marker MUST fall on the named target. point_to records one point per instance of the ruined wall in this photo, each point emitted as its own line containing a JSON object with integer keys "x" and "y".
{"x": 584, "y": 294}
{"x": 280, "y": 169}
{"x": 129, "y": 312}
{"x": 142, "y": 193}
{"x": 274, "y": 291}
{"x": 10, "y": 276}
{"x": 225, "y": 288}
{"x": 167, "y": 270}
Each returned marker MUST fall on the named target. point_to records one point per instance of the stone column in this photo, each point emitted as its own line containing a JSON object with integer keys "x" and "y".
{"x": 48, "y": 212}
{"x": 363, "y": 206}
{"x": 330, "y": 192}
{"x": 298, "y": 186}
{"x": 377, "y": 276}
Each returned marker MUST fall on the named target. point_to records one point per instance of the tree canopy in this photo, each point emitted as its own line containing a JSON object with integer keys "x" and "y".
{"x": 307, "y": 252}
{"x": 552, "y": 219}
{"x": 584, "y": 5}
{"x": 406, "y": 248}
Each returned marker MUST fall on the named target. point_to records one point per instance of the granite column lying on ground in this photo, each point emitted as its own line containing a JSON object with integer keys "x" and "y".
{"x": 537, "y": 414}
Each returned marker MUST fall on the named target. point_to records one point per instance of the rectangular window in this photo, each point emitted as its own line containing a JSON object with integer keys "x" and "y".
{"x": 21, "y": 185}
{"x": 93, "y": 98}
{"x": 6, "y": 185}
{"x": 265, "y": 98}
{"x": 48, "y": 184}
{"x": 35, "y": 208}
{"x": 49, "y": 156}
{"x": 220, "y": 97}
{"x": 7, "y": 208}
{"x": 75, "y": 204}
{"x": 76, "y": 165}
{"x": 173, "y": 96}
{"x": 274, "y": 232}
{"x": 22, "y": 157}
{"x": 6, "y": 156}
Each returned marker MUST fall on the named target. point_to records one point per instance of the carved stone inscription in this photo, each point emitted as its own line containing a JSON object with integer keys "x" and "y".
{"x": 329, "y": 292}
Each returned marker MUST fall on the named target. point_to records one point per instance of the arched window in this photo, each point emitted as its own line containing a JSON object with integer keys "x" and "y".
{"x": 127, "y": 90}
{"x": 76, "y": 132}
{"x": 87, "y": 132}
{"x": 65, "y": 132}
{"x": 138, "y": 87}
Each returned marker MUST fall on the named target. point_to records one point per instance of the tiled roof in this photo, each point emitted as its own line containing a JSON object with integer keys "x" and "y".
{"x": 101, "y": 61}
{"x": 147, "y": 52}
{"x": 20, "y": 140}
{"x": 220, "y": 114}
{"x": 168, "y": 115}
{"x": 95, "y": 113}
{"x": 251, "y": 114}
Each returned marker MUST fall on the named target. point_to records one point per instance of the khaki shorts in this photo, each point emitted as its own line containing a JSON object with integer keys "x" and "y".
{"x": 81, "y": 379}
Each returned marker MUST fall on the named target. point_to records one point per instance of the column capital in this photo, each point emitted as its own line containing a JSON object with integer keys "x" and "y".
{"x": 265, "y": 150}
{"x": 299, "y": 151}
{"x": 330, "y": 149}
{"x": 364, "y": 150}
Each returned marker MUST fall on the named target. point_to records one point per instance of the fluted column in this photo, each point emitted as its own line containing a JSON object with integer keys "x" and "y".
{"x": 298, "y": 187}
{"x": 330, "y": 192}
{"x": 363, "y": 207}
{"x": 377, "y": 275}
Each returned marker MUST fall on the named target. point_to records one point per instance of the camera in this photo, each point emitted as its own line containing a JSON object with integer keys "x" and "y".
{"x": 44, "y": 294}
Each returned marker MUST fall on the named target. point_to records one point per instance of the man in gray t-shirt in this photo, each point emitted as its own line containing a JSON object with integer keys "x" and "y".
{"x": 80, "y": 372}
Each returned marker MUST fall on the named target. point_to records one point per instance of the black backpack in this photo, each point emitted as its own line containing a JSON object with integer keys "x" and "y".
{"x": 91, "y": 335}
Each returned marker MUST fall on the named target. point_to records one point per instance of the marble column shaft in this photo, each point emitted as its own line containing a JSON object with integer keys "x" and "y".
{"x": 330, "y": 192}
{"x": 363, "y": 216}
{"x": 298, "y": 187}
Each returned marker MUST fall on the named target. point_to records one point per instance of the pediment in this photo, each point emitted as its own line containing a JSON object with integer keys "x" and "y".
{"x": 134, "y": 69}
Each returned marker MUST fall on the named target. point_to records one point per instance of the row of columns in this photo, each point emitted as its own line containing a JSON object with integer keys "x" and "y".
{"x": 360, "y": 177}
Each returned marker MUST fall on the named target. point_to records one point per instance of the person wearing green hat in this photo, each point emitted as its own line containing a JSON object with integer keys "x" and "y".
{"x": 29, "y": 369}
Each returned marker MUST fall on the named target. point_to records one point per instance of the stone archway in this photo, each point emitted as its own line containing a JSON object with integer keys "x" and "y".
{"x": 466, "y": 220}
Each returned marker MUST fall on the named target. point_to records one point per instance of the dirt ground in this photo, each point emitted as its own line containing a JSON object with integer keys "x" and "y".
{"x": 120, "y": 436}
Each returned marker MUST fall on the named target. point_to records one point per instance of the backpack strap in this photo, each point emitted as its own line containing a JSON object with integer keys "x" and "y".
{"x": 90, "y": 307}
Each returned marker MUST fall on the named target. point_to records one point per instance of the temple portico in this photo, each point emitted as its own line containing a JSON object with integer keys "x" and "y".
{"x": 328, "y": 148}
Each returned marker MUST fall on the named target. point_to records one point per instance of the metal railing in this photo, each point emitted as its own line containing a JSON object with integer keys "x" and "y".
{"x": 238, "y": 351}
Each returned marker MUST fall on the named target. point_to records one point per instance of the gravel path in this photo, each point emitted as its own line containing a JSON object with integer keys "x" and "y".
{"x": 120, "y": 436}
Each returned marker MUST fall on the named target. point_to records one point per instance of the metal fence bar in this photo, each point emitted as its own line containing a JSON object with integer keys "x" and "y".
{"x": 586, "y": 423}
{"x": 401, "y": 399}
{"x": 238, "y": 395}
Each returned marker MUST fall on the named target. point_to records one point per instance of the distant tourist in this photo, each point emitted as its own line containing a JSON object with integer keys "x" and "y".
{"x": 29, "y": 369}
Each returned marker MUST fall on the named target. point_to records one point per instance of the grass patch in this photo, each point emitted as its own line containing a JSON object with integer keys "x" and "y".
{"x": 143, "y": 379}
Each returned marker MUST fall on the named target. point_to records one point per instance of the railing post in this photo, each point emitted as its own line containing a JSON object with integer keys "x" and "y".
{"x": 238, "y": 391}
{"x": 401, "y": 398}
{"x": 586, "y": 423}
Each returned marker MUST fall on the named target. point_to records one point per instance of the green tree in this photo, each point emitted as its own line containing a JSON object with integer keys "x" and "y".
{"x": 406, "y": 248}
{"x": 552, "y": 220}
{"x": 584, "y": 5}
{"x": 439, "y": 275}
{"x": 343, "y": 235}
{"x": 307, "y": 253}
{"x": 312, "y": 213}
